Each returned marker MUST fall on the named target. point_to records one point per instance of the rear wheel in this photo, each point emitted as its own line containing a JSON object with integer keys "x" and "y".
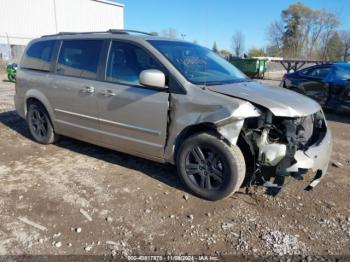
{"x": 40, "y": 125}
{"x": 11, "y": 77}
{"x": 209, "y": 167}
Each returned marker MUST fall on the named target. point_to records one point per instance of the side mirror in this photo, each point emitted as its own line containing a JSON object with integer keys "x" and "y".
{"x": 153, "y": 78}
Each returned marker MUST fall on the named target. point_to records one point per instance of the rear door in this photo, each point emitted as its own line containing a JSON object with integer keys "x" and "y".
{"x": 314, "y": 84}
{"x": 133, "y": 118}
{"x": 73, "y": 90}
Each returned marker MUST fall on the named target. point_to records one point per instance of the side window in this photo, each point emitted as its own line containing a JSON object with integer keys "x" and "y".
{"x": 38, "y": 56}
{"x": 126, "y": 61}
{"x": 341, "y": 73}
{"x": 79, "y": 58}
{"x": 319, "y": 72}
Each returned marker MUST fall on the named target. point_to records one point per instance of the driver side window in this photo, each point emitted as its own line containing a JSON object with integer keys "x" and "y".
{"x": 126, "y": 62}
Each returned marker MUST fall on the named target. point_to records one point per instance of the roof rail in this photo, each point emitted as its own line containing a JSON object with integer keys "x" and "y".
{"x": 75, "y": 33}
{"x": 110, "y": 31}
{"x": 126, "y": 31}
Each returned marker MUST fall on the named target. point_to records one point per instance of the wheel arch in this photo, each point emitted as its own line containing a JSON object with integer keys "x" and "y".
{"x": 38, "y": 97}
{"x": 195, "y": 129}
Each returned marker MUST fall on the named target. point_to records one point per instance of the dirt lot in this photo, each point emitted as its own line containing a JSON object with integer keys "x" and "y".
{"x": 138, "y": 207}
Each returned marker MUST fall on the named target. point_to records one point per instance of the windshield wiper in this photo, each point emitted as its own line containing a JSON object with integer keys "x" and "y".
{"x": 212, "y": 83}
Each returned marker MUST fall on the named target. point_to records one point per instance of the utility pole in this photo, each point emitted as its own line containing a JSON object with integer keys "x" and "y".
{"x": 183, "y": 36}
{"x": 9, "y": 47}
{"x": 55, "y": 15}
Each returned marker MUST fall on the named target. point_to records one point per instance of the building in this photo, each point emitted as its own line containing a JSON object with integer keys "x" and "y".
{"x": 23, "y": 20}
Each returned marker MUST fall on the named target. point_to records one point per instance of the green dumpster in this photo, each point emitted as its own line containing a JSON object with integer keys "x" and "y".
{"x": 252, "y": 67}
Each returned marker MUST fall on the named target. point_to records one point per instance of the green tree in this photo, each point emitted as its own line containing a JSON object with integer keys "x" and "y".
{"x": 225, "y": 53}
{"x": 256, "y": 52}
{"x": 294, "y": 18}
{"x": 215, "y": 48}
{"x": 302, "y": 32}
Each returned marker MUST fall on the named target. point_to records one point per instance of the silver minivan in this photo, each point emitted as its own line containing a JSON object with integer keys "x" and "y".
{"x": 172, "y": 102}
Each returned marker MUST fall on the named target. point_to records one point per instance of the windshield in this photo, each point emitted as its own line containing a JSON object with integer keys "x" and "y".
{"x": 197, "y": 64}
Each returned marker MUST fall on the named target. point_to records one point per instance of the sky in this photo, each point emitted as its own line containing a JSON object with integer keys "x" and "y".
{"x": 206, "y": 21}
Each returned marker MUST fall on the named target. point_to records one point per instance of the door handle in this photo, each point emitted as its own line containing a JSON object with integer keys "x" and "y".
{"x": 88, "y": 90}
{"x": 107, "y": 93}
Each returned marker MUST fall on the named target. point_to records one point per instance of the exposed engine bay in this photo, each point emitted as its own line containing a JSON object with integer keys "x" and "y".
{"x": 276, "y": 142}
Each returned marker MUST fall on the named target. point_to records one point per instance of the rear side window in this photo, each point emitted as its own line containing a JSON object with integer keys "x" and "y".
{"x": 38, "y": 56}
{"x": 79, "y": 58}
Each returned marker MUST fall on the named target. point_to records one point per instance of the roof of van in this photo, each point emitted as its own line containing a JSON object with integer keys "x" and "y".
{"x": 112, "y": 33}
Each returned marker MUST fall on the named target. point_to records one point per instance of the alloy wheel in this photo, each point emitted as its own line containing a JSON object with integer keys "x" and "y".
{"x": 39, "y": 123}
{"x": 205, "y": 168}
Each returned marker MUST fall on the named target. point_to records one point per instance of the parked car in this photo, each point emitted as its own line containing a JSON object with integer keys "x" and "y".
{"x": 11, "y": 70}
{"x": 172, "y": 102}
{"x": 328, "y": 84}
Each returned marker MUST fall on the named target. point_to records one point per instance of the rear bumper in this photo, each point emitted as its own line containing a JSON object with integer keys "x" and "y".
{"x": 19, "y": 105}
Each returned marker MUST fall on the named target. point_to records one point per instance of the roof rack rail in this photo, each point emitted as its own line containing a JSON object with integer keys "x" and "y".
{"x": 126, "y": 31}
{"x": 75, "y": 33}
{"x": 110, "y": 31}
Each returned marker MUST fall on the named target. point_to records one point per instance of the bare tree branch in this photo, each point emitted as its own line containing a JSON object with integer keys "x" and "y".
{"x": 238, "y": 43}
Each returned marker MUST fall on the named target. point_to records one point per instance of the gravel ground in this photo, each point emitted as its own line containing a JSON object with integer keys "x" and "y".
{"x": 77, "y": 198}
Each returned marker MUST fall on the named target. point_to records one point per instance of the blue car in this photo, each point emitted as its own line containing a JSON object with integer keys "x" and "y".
{"x": 328, "y": 84}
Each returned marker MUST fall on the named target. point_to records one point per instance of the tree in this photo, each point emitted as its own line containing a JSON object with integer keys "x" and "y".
{"x": 256, "y": 52}
{"x": 273, "y": 51}
{"x": 302, "y": 32}
{"x": 275, "y": 36}
{"x": 294, "y": 35}
{"x": 345, "y": 36}
{"x": 225, "y": 53}
{"x": 215, "y": 47}
{"x": 331, "y": 22}
{"x": 238, "y": 43}
{"x": 170, "y": 33}
{"x": 154, "y": 33}
{"x": 334, "y": 48}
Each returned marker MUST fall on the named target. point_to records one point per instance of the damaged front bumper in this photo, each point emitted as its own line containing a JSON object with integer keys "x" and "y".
{"x": 315, "y": 158}
{"x": 296, "y": 145}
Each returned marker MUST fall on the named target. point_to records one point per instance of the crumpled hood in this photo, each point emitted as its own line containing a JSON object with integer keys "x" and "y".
{"x": 280, "y": 101}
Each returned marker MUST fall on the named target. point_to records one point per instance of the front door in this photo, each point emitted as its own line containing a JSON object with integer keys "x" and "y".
{"x": 133, "y": 118}
{"x": 314, "y": 83}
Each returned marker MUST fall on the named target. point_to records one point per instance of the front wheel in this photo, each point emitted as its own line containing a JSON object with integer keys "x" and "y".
{"x": 209, "y": 167}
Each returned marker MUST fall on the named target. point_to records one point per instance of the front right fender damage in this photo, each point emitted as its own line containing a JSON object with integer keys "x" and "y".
{"x": 286, "y": 145}
{"x": 209, "y": 110}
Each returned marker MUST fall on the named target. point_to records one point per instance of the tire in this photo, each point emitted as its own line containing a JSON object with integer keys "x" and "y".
{"x": 213, "y": 172}
{"x": 40, "y": 125}
{"x": 11, "y": 78}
